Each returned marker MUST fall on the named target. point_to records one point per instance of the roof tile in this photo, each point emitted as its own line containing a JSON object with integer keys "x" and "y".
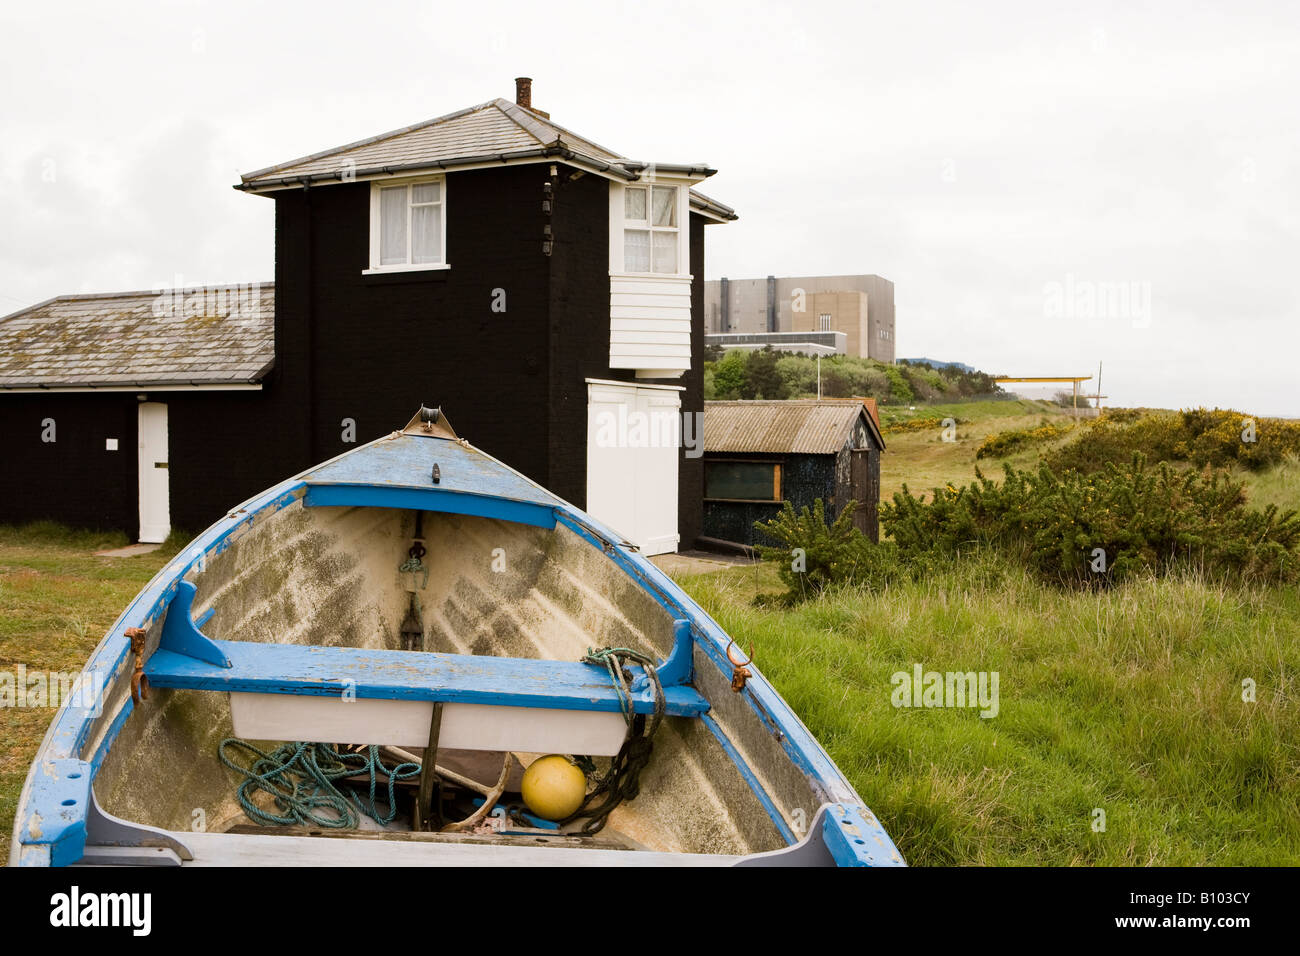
{"x": 140, "y": 338}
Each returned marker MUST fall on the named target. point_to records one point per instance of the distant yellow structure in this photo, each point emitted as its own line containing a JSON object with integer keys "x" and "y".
{"x": 1072, "y": 379}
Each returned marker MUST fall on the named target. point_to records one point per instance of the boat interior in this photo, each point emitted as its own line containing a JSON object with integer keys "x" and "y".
{"x": 717, "y": 784}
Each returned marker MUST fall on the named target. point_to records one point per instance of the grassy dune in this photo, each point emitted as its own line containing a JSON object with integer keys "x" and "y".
{"x": 923, "y": 459}
{"x": 1130, "y": 702}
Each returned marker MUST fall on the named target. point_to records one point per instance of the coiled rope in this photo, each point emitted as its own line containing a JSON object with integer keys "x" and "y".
{"x": 623, "y": 779}
{"x": 299, "y": 777}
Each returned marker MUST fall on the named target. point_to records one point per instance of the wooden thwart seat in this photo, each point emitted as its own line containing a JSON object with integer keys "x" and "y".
{"x": 407, "y": 675}
{"x": 358, "y": 695}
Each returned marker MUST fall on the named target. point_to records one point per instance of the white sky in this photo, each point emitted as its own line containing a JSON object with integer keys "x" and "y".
{"x": 986, "y": 157}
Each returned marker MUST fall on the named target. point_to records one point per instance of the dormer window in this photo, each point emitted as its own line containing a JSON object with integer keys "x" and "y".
{"x": 650, "y": 229}
{"x": 408, "y": 226}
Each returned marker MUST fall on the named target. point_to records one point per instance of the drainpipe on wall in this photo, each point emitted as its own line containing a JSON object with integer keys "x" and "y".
{"x": 725, "y": 324}
{"x": 312, "y": 442}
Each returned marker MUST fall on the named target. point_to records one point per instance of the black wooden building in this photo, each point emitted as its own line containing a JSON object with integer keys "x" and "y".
{"x": 524, "y": 278}
{"x": 758, "y": 454}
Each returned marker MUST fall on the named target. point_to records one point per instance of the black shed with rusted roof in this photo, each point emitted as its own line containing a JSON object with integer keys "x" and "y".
{"x": 758, "y": 454}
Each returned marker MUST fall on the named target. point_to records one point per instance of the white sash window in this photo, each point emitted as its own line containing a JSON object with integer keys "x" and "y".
{"x": 408, "y": 226}
{"x": 650, "y": 241}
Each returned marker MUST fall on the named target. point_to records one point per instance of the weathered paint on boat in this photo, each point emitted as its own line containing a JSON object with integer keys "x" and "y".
{"x": 736, "y": 777}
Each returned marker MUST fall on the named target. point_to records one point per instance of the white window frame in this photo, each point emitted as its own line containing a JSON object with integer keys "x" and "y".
{"x": 646, "y": 225}
{"x": 824, "y": 322}
{"x": 376, "y": 233}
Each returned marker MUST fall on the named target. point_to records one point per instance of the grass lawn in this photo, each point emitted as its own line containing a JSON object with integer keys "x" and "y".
{"x": 1129, "y": 702}
{"x": 56, "y": 602}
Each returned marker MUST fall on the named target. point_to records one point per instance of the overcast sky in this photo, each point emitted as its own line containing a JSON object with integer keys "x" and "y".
{"x": 1048, "y": 189}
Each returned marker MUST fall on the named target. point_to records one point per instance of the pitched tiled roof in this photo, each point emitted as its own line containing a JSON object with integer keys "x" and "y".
{"x": 220, "y": 337}
{"x": 782, "y": 427}
{"x": 498, "y": 130}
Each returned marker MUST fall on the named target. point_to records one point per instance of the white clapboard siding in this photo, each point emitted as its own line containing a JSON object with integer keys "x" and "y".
{"x": 650, "y": 323}
{"x": 653, "y": 286}
{"x": 643, "y": 324}
{"x": 656, "y": 313}
{"x": 660, "y": 354}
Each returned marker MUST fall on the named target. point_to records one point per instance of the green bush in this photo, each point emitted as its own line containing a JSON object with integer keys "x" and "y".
{"x": 899, "y": 389}
{"x": 919, "y": 424}
{"x": 924, "y": 382}
{"x": 798, "y": 375}
{"x": 1100, "y": 529}
{"x": 729, "y": 375}
{"x": 764, "y": 373}
{"x": 1012, "y": 440}
{"x": 1202, "y": 437}
{"x": 956, "y": 382}
{"x": 761, "y": 377}
{"x": 814, "y": 555}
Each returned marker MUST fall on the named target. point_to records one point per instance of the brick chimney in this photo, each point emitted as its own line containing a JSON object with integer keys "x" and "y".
{"x": 524, "y": 96}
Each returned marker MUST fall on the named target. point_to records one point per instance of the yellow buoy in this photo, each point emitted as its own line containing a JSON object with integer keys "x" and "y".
{"x": 553, "y": 787}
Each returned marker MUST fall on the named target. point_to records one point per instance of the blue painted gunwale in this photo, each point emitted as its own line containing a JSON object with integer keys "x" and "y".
{"x": 51, "y": 811}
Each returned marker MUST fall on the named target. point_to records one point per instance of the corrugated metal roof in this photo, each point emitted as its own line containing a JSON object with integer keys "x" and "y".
{"x": 780, "y": 427}
{"x": 220, "y": 336}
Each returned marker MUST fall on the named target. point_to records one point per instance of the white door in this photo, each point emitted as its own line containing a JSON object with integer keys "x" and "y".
{"x": 155, "y": 505}
{"x": 633, "y": 442}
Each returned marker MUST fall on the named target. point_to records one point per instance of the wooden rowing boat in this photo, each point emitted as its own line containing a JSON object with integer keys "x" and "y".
{"x": 417, "y": 596}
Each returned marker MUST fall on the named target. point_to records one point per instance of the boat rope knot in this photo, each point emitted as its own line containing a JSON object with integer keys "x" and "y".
{"x": 741, "y": 672}
{"x": 413, "y": 565}
{"x": 139, "y": 683}
{"x": 622, "y": 781}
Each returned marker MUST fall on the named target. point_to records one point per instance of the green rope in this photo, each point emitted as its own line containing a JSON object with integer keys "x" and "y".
{"x": 623, "y": 779}
{"x": 613, "y": 659}
{"x": 300, "y": 777}
{"x": 414, "y": 566}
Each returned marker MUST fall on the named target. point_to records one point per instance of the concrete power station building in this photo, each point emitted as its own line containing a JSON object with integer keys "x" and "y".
{"x": 756, "y": 312}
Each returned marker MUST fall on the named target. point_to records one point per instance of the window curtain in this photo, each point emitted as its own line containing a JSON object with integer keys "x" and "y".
{"x": 392, "y": 225}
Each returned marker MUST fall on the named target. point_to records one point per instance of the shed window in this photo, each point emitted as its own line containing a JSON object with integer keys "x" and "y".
{"x": 743, "y": 480}
{"x": 408, "y": 226}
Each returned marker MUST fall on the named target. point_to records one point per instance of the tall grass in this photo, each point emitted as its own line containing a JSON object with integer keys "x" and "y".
{"x": 1279, "y": 485}
{"x": 57, "y": 598}
{"x": 1128, "y": 701}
